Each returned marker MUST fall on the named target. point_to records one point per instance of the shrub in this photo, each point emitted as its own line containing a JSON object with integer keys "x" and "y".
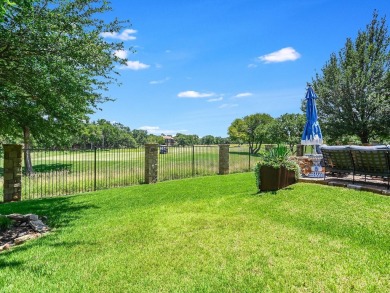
{"x": 276, "y": 157}
{"x": 5, "y": 223}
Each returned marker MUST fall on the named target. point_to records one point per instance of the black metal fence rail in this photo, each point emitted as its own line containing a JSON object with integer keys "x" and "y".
{"x": 63, "y": 172}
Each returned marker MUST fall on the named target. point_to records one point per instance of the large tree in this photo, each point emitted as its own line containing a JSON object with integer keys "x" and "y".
{"x": 54, "y": 68}
{"x": 287, "y": 128}
{"x": 207, "y": 140}
{"x": 251, "y": 129}
{"x": 354, "y": 87}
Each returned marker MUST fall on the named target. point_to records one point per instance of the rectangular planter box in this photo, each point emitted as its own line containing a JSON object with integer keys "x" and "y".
{"x": 273, "y": 179}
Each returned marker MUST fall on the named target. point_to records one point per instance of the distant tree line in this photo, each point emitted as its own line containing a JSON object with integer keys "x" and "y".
{"x": 190, "y": 139}
{"x": 105, "y": 134}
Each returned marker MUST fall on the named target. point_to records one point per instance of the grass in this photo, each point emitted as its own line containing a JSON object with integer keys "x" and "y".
{"x": 207, "y": 234}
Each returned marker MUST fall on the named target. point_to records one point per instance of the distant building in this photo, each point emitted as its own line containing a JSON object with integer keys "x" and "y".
{"x": 169, "y": 140}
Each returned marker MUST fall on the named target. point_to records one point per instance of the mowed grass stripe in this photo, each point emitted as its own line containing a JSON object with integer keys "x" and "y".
{"x": 208, "y": 234}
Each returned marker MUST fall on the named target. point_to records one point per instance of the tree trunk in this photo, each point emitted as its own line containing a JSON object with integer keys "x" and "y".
{"x": 254, "y": 148}
{"x": 27, "y": 155}
{"x": 364, "y": 137}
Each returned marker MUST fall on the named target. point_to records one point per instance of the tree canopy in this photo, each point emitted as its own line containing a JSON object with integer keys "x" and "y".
{"x": 354, "y": 87}
{"x": 286, "y": 129}
{"x": 104, "y": 134}
{"x": 54, "y": 67}
{"x": 251, "y": 129}
{"x": 8, "y": 7}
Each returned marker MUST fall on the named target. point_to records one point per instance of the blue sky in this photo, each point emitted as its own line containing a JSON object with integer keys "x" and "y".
{"x": 201, "y": 64}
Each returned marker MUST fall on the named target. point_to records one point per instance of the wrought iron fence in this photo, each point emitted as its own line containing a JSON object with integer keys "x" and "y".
{"x": 62, "y": 172}
{"x": 240, "y": 159}
{"x": 69, "y": 171}
{"x": 188, "y": 161}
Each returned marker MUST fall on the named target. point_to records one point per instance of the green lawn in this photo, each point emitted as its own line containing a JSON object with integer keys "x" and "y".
{"x": 205, "y": 234}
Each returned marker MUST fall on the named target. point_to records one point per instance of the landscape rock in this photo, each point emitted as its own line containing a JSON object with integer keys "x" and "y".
{"x": 24, "y": 238}
{"x": 31, "y": 217}
{"x": 24, "y": 228}
{"x": 5, "y": 247}
{"x": 38, "y": 226}
{"x": 17, "y": 217}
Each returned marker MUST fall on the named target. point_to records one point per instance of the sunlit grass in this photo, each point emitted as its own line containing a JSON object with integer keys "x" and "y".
{"x": 205, "y": 234}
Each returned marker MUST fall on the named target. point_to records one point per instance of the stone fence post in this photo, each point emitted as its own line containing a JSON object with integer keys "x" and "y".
{"x": 151, "y": 163}
{"x": 223, "y": 159}
{"x": 12, "y": 190}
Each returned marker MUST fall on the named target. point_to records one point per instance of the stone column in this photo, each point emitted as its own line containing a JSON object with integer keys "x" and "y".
{"x": 151, "y": 163}
{"x": 299, "y": 150}
{"x": 223, "y": 159}
{"x": 12, "y": 189}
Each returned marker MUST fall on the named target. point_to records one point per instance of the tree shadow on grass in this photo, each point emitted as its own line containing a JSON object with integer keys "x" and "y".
{"x": 243, "y": 154}
{"x": 45, "y": 168}
{"x": 60, "y": 212}
{"x": 9, "y": 264}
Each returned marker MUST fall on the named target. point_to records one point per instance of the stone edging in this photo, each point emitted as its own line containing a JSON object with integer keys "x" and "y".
{"x": 355, "y": 186}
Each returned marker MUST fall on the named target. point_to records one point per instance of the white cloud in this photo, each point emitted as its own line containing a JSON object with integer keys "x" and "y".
{"x": 149, "y": 128}
{"x": 226, "y": 106}
{"x": 156, "y": 130}
{"x": 285, "y": 54}
{"x": 252, "y": 65}
{"x": 121, "y": 54}
{"x": 194, "y": 95}
{"x": 134, "y": 65}
{"x": 159, "y": 81}
{"x": 215, "y": 100}
{"x": 126, "y": 35}
{"x": 243, "y": 95}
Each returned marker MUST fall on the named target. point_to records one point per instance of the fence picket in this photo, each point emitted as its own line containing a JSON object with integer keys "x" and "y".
{"x": 71, "y": 171}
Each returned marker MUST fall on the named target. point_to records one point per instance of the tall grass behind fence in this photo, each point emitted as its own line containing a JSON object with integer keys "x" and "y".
{"x": 240, "y": 160}
{"x": 189, "y": 161}
{"x": 63, "y": 172}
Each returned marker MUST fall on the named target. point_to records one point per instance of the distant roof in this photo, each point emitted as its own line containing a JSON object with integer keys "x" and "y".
{"x": 167, "y": 137}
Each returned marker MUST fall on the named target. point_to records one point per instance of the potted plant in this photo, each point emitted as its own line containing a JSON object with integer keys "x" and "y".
{"x": 275, "y": 170}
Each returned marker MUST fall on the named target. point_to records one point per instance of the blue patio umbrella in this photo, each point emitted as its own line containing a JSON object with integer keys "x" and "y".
{"x": 312, "y": 133}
